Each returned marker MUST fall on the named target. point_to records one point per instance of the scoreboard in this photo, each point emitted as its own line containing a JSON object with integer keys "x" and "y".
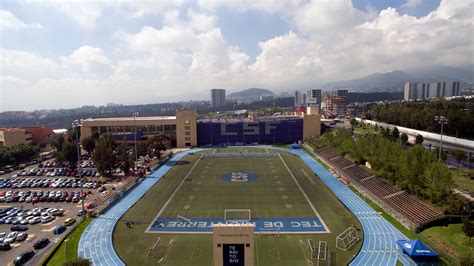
{"x": 233, "y": 244}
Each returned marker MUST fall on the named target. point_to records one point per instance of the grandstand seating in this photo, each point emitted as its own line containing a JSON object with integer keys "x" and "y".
{"x": 328, "y": 154}
{"x": 379, "y": 187}
{"x": 341, "y": 162}
{"x": 413, "y": 208}
{"x": 410, "y": 206}
{"x": 356, "y": 172}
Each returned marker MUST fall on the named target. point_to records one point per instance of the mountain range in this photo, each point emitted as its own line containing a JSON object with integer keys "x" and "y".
{"x": 252, "y": 93}
{"x": 395, "y": 80}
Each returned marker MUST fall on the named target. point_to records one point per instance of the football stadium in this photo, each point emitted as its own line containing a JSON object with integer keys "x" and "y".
{"x": 273, "y": 190}
{"x": 299, "y": 212}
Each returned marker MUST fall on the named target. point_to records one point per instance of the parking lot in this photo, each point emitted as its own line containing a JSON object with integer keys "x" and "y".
{"x": 39, "y": 198}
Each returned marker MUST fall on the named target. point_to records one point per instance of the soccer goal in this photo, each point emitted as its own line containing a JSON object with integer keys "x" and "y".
{"x": 183, "y": 220}
{"x": 313, "y": 253}
{"x": 347, "y": 239}
{"x": 237, "y": 215}
{"x": 159, "y": 248}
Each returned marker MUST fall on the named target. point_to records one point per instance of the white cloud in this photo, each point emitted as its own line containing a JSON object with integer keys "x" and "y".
{"x": 92, "y": 60}
{"x": 188, "y": 54}
{"x": 8, "y": 21}
{"x": 412, "y": 3}
{"x": 23, "y": 63}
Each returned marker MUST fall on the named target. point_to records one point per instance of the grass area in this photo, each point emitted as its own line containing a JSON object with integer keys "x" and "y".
{"x": 68, "y": 249}
{"x": 449, "y": 240}
{"x": 264, "y": 196}
{"x": 462, "y": 178}
{"x": 410, "y": 234}
{"x": 365, "y": 130}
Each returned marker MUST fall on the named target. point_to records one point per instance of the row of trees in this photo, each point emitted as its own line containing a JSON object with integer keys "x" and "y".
{"x": 420, "y": 115}
{"x": 17, "y": 154}
{"x": 415, "y": 169}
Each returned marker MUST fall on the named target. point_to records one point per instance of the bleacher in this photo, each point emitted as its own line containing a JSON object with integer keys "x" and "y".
{"x": 379, "y": 187}
{"x": 356, "y": 172}
{"x": 413, "y": 208}
{"x": 409, "y": 205}
{"x": 341, "y": 162}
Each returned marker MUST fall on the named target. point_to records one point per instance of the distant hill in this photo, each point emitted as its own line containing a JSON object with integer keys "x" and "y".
{"x": 252, "y": 93}
{"x": 395, "y": 80}
{"x": 390, "y": 81}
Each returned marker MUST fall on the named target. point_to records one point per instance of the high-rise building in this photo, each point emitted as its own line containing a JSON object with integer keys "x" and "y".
{"x": 335, "y": 102}
{"x": 299, "y": 99}
{"x": 313, "y": 98}
{"x": 423, "y": 91}
{"x": 217, "y": 97}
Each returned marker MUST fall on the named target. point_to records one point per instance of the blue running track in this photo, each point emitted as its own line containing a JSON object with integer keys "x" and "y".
{"x": 379, "y": 246}
{"x": 96, "y": 241}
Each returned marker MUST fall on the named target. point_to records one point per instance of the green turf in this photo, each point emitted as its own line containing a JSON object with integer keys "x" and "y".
{"x": 462, "y": 178}
{"x": 67, "y": 251}
{"x": 204, "y": 194}
{"x": 449, "y": 240}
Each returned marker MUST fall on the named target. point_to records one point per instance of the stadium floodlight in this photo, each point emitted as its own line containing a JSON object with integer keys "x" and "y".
{"x": 442, "y": 121}
{"x": 347, "y": 239}
{"x": 76, "y": 124}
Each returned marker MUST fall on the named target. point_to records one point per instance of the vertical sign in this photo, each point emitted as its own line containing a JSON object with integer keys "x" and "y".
{"x": 233, "y": 254}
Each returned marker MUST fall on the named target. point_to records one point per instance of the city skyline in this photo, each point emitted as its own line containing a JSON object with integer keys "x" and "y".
{"x": 68, "y": 55}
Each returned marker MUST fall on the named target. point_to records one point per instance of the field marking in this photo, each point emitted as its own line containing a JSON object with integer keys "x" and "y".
{"x": 304, "y": 194}
{"x": 172, "y": 195}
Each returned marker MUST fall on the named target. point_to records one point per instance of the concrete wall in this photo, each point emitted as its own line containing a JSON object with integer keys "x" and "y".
{"x": 186, "y": 132}
{"x": 311, "y": 126}
{"x": 12, "y": 137}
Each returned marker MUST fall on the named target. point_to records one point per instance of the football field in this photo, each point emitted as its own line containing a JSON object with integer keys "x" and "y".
{"x": 273, "y": 190}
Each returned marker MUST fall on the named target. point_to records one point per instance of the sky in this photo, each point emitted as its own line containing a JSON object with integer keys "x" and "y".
{"x": 66, "y": 54}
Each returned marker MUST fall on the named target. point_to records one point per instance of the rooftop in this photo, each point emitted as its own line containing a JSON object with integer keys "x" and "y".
{"x": 130, "y": 118}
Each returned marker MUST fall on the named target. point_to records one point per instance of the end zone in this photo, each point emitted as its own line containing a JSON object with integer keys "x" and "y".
{"x": 310, "y": 225}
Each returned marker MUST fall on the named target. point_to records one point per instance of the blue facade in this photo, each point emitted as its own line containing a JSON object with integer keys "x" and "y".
{"x": 238, "y": 132}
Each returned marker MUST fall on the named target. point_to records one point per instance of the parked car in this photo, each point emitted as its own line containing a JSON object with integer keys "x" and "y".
{"x": 41, "y": 243}
{"x": 5, "y": 246}
{"x": 24, "y": 257}
{"x": 20, "y": 228}
{"x": 69, "y": 221}
{"x": 59, "y": 229}
{"x": 46, "y": 219}
{"x": 21, "y": 236}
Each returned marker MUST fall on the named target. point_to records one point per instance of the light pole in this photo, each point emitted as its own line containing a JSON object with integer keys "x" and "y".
{"x": 442, "y": 121}
{"x": 76, "y": 125}
{"x": 135, "y": 114}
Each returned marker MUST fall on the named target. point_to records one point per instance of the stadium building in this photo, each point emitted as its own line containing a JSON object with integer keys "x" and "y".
{"x": 186, "y": 130}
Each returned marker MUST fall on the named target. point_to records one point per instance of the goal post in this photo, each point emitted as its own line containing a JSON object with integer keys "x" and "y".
{"x": 347, "y": 239}
{"x": 183, "y": 220}
{"x": 237, "y": 215}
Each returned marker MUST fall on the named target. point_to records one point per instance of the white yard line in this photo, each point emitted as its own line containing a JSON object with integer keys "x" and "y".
{"x": 304, "y": 194}
{"x": 172, "y": 195}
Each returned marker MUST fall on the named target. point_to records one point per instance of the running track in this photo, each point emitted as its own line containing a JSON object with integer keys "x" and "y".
{"x": 379, "y": 246}
{"x": 96, "y": 241}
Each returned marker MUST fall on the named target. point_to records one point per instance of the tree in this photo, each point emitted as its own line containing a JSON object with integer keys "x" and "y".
{"x": 353, "y": 122}
{"x": 103, "y": 156}
{"x": 156, "y": 144}
{"x": 404, "y": 138}
{"x": 419, "y": 139}
{"x": 468, "y": 229}
{"x": 70, "y": 152}
{"x": 125, "y": 159}
{"x": 438, "y": 181}
{"x": 57, "y": 142}
{"x": 395, "y": 133}
{"x": 88, "y": 144}
{"x": 142, "y": 148}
